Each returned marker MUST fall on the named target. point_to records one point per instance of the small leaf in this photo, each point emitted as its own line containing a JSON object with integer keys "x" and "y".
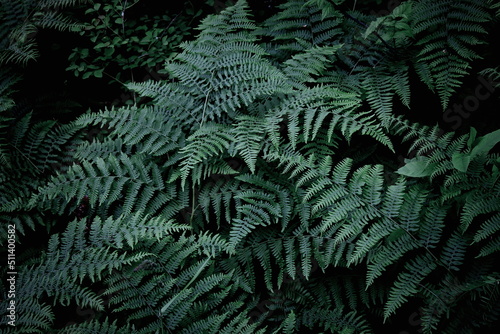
{"x": 109, "y": 51}
{"x": 98, "y": 73}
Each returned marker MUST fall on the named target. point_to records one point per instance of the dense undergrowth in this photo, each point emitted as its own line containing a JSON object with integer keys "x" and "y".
{"x": 284, "y": 174}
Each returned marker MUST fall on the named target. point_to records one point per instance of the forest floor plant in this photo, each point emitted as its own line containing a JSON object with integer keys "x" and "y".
{"x": 249, "y": 193}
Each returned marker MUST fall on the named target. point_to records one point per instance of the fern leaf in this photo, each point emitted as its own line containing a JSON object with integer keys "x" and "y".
{"x": 445, "y": 54}
{"x": 407, "y": 282}
{"x": 149, "y": 128}
{"x": 453, "y": 253}
{"x": 104, "y": 181}
{"x": 248, "y": 135}
{"x": 208, "y": 141}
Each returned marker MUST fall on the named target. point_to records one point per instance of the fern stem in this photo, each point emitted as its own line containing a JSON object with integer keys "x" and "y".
{"x": 198, "y": 272}
{"x": 205, "y": 107}
{"x": 28, "y": 159}
{"x": 192, "y": 208}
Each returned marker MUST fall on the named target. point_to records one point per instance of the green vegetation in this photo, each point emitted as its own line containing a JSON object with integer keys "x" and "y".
{"x": 283, "y": 175}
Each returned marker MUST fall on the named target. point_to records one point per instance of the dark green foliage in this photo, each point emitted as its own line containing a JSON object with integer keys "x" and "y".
{"x": 444, "y": 55}
{"x": 128, "y": 39}
{"x": 7, "y": 80}
{"x": 33, "y": 152}
{"x": 239, "y": 200}
{"x": 20, "y": 21}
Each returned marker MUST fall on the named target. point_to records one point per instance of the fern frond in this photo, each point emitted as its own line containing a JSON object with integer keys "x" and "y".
{"x": 174, "y": 288}
{"x": 220, "y": 73}
{"x": 97, "y": 326}
{"x": 54, "y": 20}
{"x": 57, "y": 272}
{"x": 309, "y": 65}
{"x": 60, "y": 3}
{"x": 445, "y": 54}
{"x": 21, "y": 20}
{"x": 453, "y": 253}
{"x": 379, "y": 93}
{"x": 300, "y": 26}
{"x": 149, "y": 129}
{"x": 105, "y": 181}
{"x": 408, "y": 281}
{"x": 208, "y": 141}
{"x": 488, "y": 228}
{"x": 35, "y": 317}
{"x": 248, "y": 135}
{"x": 97, "y": 149}
{"x": 130, "y": 229}
{"x": 334, "y": 320}
{"x": 217, "y": 198}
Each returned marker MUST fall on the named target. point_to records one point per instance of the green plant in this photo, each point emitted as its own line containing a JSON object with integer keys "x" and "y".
{"x": 241, "y": 185}
{"x": 128, "y": 40}
{"x": 20, "y": 22}
{"x": 22, "y": 19}
{"x": 7, "y": 81}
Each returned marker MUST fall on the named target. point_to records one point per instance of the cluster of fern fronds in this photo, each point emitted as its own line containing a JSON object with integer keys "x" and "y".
{"x": 236, "y": 201}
